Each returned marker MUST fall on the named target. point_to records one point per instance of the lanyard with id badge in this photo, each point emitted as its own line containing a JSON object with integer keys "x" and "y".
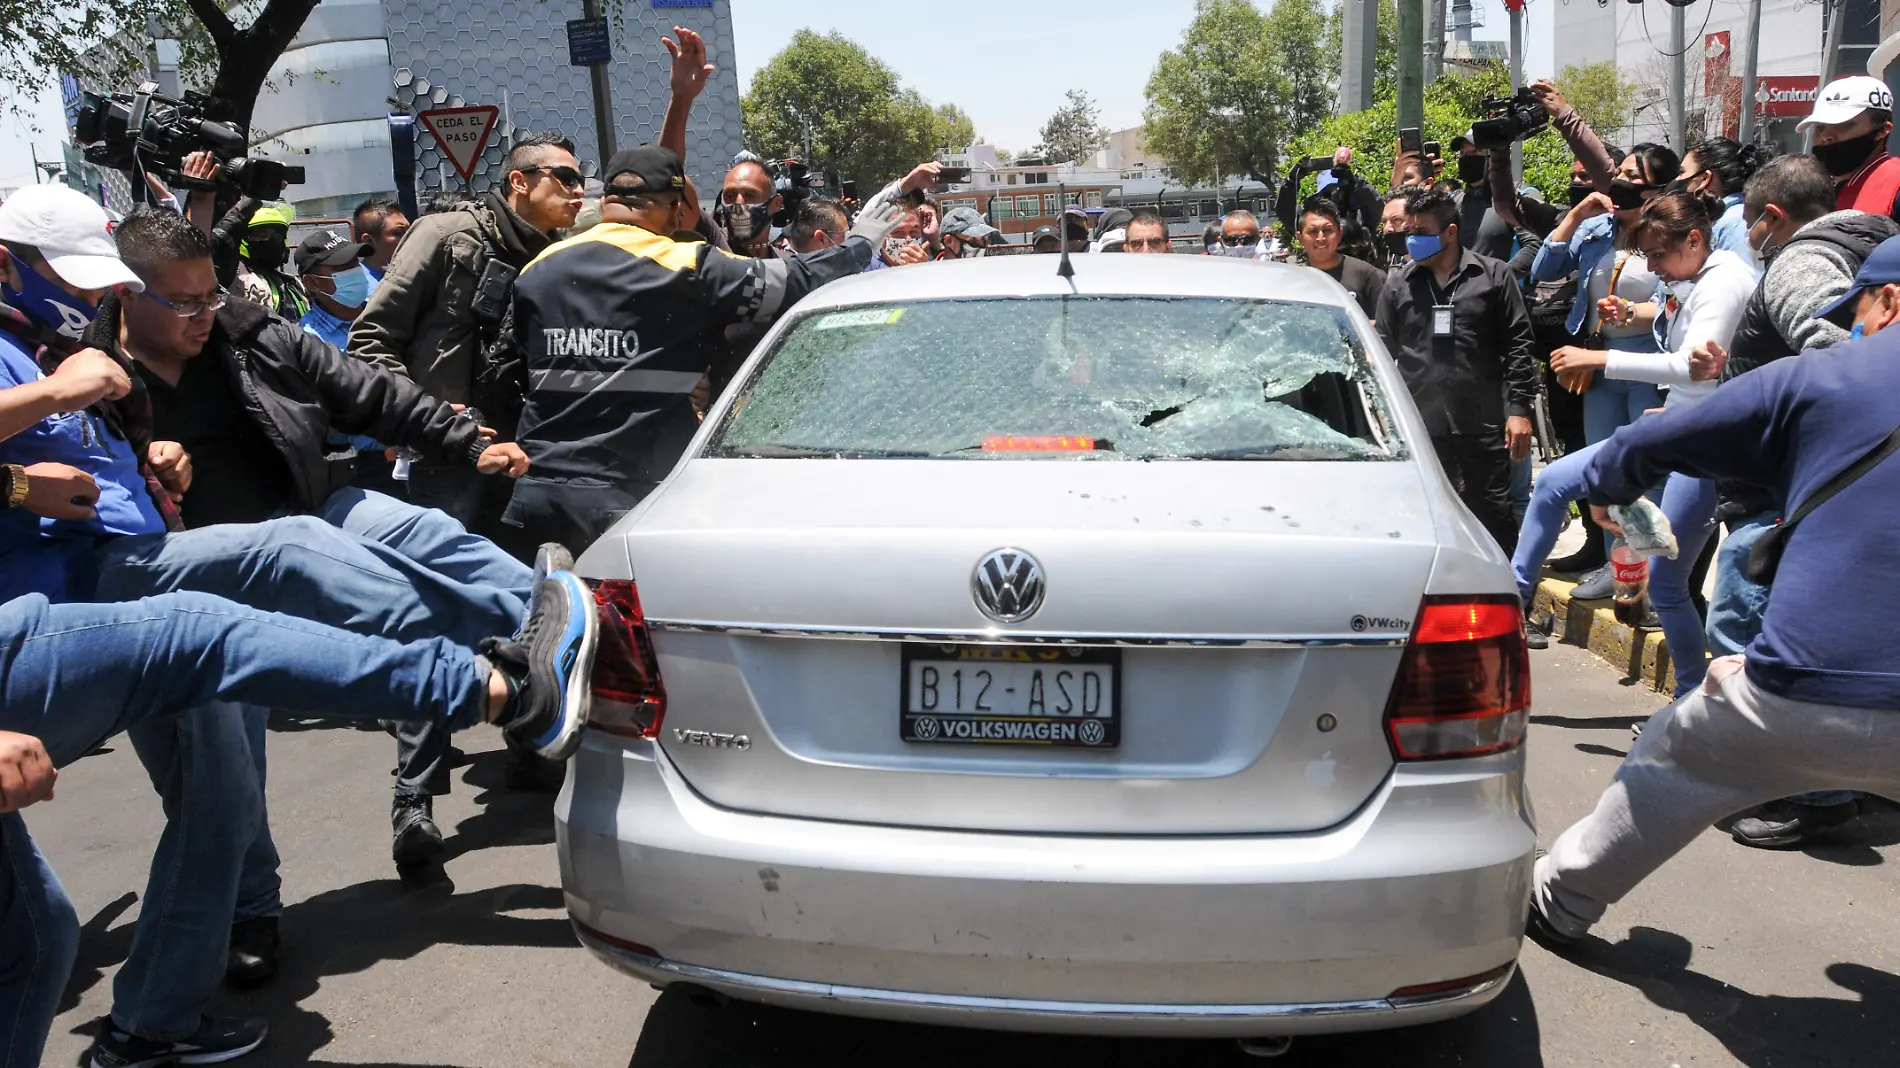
{"x": 1442, "y": 317}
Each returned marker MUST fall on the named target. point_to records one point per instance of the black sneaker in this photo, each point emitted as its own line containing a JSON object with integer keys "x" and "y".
{"x": 549, "y": 669}
{"x": 254, "y": 946}
{"x": 1537, "y": 629}
{"x": 417, "y": 840}
{"x": 1788, "y": 824}
{"x": 217, "y": 1039}
{"x": 550, "y": 557}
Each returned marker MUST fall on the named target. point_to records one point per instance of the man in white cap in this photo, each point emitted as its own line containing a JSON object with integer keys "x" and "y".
{"x": 60, "y": 258}
{"x": 1851, "y": 121}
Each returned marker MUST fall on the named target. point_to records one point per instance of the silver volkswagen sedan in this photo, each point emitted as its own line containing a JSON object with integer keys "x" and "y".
{"x": 1105, "y": 655}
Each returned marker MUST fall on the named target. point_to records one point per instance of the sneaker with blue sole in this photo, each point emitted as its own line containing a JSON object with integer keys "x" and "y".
{"x": 217, "y": 1039}
{"x": 552, "y": 556}
{"x": 549, "y": 668}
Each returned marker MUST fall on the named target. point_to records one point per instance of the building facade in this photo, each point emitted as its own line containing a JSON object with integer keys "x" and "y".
{"x": 330, "y": 95}
{"x": 1793, "y": 37}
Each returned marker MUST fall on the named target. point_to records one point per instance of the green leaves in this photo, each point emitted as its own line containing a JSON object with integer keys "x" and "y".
{"x": 1074, "y": 131}
{"x": 1240, "y": 85}
{"x": 1600, "y": 94}
{"x": 861, "y": 123}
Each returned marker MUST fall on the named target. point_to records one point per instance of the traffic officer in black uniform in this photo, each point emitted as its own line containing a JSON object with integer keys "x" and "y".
{"x": 618, "y": 324}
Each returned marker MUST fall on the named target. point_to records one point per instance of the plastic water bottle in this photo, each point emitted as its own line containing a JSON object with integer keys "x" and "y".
{"x": 1631, "y": 572}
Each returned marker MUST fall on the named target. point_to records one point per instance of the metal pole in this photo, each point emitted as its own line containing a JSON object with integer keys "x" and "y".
{"x": 1830, "y": 55}
{"x": 1411, "y": 102}
{"x": 1517, "y": 82}
{"x": 1434, "y": 40}
{"x": 597, "y": 75}
{"x": 1359, "y": 39}
{"x": 1748, "y": 71}
{"x": 1678, "y": 76}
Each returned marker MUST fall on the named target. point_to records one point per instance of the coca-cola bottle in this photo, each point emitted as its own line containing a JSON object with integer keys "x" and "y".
{"x": 1631, "y": 572}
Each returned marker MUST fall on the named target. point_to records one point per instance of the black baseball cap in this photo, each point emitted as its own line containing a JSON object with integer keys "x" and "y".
{"x": 327, "y": 248}
{"x": 652, "y": 169}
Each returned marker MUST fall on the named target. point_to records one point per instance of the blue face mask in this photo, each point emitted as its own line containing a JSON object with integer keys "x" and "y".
{"x": 1423, "y": 246}
{"x": 352, "y": 287}
{"x": 46, "y": 302}
{"x": 1859, "y": 331}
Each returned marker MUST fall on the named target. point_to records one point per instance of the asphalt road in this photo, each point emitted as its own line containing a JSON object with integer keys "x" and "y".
{"x": 1727, "y": 957}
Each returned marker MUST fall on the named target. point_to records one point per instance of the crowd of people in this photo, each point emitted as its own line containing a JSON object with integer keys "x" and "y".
{"x": 341, "y": 478}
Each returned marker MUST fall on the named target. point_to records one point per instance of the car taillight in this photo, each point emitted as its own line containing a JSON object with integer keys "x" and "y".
{"x": 629, "y": 699}
{"x": 1464, "y": 687}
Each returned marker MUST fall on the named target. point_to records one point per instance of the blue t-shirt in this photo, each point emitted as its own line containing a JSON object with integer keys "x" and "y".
{"x": 54, "y": 556}
{"x": 322, "y": 324}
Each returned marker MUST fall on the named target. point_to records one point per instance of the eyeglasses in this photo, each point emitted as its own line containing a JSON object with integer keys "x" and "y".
{"x": 1237, "y": 240}
{"x": 1146, "y": 243}
{"x": 191, "y": 309}
{"x": 567, "y": 176}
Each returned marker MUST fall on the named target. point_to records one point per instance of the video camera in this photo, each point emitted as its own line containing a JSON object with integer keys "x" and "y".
{"x": 794, "y": 181}
{"x": 1509, "y": 118}
{"x": 146, "y": 130}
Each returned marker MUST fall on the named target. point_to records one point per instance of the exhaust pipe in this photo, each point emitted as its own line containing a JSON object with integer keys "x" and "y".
{"x": 1265, "y": 1047}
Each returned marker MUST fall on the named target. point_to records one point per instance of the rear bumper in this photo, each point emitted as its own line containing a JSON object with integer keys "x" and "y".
{"x": 1281, "y": 935}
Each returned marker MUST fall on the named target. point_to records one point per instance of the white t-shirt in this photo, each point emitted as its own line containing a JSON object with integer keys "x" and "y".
{"x": 1711, "y": 311}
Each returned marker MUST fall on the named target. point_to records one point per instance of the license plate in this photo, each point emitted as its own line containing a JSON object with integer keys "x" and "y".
{"x": 1011, "y": 695}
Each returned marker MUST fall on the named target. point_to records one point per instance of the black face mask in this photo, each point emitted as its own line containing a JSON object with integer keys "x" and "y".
{"x": 1473, "y": 169}
{"x": 1395, "y": 245}
{"x": 1580, "y": 192}
{"x": 267, "y": 254}
{"x": 1626, "y": 195}
{"x": 743, "y": 222}
{"x": 1844, "y": 157}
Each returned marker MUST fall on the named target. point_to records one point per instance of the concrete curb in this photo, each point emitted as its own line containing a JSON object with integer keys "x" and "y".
{"x": 1641, "y": 655}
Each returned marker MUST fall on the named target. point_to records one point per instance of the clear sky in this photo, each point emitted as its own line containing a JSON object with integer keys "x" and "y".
{"x": 1012, "y": 62}
{"x": 1005, "y": 62}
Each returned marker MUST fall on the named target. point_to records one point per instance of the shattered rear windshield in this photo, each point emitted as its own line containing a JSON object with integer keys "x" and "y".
{"x": 1104, "y": 378}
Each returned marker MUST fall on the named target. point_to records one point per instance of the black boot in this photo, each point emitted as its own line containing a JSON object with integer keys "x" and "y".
{"x": 254, "y": 946}
{"x": 418, "y": 840}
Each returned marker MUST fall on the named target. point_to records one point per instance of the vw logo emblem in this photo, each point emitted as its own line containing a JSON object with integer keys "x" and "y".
{"x": 1092, "y": 732}
{"x": 925, "y": 727}
{"x": 1008, "y": 585}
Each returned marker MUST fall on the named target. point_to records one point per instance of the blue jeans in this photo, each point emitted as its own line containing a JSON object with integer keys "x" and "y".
{"x": 1520, "y": 488}
{"x": 365, "y": 562}
{"x": 1690, "y": 505}
{"x": 1613, "y": 403}
{"x": 74, "y": 675}
{"x": 1736, "y": 610}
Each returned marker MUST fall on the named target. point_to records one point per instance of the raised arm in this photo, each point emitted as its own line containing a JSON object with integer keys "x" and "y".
{"x": 690, "y": 71}
{"x": 1583, "y": 141}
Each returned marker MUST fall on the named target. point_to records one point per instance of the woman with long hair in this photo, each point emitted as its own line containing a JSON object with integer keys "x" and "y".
{"x": 1704, "y": 293}
{"x": 1593, "y": 243}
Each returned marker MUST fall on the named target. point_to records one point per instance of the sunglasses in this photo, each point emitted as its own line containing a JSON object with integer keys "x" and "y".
{"x": 191, "y": 309}
{"x": 1156, "y": 243}
{"x": 567, "y": 176}
{"x": 1237, "y": 240}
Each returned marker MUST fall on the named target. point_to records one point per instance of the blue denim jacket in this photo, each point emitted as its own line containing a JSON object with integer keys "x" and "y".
{"x": 1731, "y": 233}
{"x": 1579, "y": 255}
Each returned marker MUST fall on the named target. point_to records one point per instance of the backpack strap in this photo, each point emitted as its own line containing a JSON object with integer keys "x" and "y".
{"x": 1764, "y": 558}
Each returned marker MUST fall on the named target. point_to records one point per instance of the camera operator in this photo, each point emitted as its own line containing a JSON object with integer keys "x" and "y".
{"x": 1351, "y": 194}
{"x": 1492, "y": 236}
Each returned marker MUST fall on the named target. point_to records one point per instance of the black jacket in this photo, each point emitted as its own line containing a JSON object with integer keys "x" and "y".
{"x": 298, "y": 388}
{"x": 1486, "y": 371}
